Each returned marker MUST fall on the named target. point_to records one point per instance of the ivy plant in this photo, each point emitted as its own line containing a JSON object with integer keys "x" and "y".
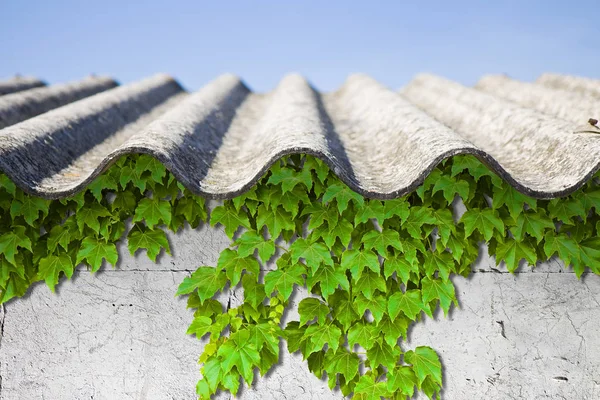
{"x": 370, "y": 268}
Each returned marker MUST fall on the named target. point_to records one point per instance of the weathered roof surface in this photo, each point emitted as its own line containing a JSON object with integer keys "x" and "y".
{"x": 219, "y": 140}
{"x": 19, "y": 83}
{"x": 22, "y": 105}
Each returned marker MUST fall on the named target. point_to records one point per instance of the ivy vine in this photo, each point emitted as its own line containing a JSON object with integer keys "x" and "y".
{"x": 371, "y": 268}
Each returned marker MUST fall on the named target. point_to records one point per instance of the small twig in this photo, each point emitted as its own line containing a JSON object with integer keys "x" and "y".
{"x": 593, "y": 121}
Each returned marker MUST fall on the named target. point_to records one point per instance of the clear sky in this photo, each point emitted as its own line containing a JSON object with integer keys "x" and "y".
{"x": 324, "y": 40}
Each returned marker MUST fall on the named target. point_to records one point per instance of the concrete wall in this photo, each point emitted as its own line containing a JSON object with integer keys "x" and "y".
{"x": 120, "y": 334}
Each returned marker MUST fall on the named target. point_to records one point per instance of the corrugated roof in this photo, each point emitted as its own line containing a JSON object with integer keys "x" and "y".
{"x": 19, "y": 83}
{"x": 219, "y": 140}
{"x": 25, "y": 104}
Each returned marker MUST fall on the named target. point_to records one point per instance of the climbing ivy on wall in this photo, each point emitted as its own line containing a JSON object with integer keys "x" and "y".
{"x": 371, "y": 268}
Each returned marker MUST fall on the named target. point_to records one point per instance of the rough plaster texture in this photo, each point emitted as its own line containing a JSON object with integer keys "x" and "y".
{"x": 119, "y": 334}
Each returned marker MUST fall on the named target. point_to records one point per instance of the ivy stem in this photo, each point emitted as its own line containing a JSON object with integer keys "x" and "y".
{"x": 282, "y": 248}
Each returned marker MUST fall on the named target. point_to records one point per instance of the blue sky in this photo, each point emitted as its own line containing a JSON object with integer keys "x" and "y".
{"x": 323, "y": 40}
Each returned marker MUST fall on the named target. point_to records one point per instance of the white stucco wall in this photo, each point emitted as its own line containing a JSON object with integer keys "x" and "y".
{"x": 120, "y": 334}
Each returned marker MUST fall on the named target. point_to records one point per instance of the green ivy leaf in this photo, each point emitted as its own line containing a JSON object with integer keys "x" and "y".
{"x": 329, "y": 278}
{"x": 231, "y": 382}
{"x": 511, "y": 198}
{"x": 533, "y": 223}
{"x": 59, "y": 235}
{"x": 318, "y": 336}
{"x": 382, "y": 354}
{"x": 7, "y": 184}
{"x": 294, "y": 335}
{"x": 148, "y": 163}
{"x": 342, "y": 231}
{"x": 288, "y": 178}
{"x": 396, "y": 208}
{"x": 342, "y": 195}
{"x": 6, "y": 269}
{"x": 450, "y": 187}
{"x": 94, "y": 252}
{"x": 207, "y": 280}
{"x": 275, "y": 219}
{"x": 265, "y": 336}
{"x": 403, "y": 379}
{"x": 513, "y": 251}
{"x": 315, "y": 362}
{"x": 425, "y": 362}
{"x": 153, "y": 211}
{"x": 380, "y": 241}
{"x": 212, "y": 372}
{"x": 153, "y": 240}
{"x": 445, "y": 224}
{"x": 15, "y": 286}
{"x": 590, "y": 253}
{"x": 230, "y": 218}
{"x": 192, "y": 208}
{"x": 319, "y": 214}
{"x": 103, "y": 182}
{"x": 251, "y": 241}
{"x": 284, "y": 280}
{"x": 357, "y": 260}
{"x": 438, "y": 262}
{"x": 392, "y": 330}
{"x": 456, "y": 247}
{"x": 290, "y": 201}
{"x": 200, "y": 326}
{"x": 319, "y": 167}
{"x": 429, "y": 181}
{"x": 125, "y": 202}
{"x": 364, "y": 334}
{"x": 485, "y": 221}
{"x": 240, "y": 352}
{"x": 344, "y": 311}
{"x": 566, "y": 247}
{"x": 29, "y": 207}
{"x": 88, "y": 216}
{"x": 565, "y": 209}
{"x": 368, "y": 388}
{"x": 402, "y": 266}
{"x": 342, "y": 362}
{"x": 418, "y": 217}
{"x": 129, "y": 174}
{"x": 203, "y": 389}
{"x": 376, "y": 305}
{"x": 372, "y": 209}
{"x": 254, "y": 292}
{"x": 50, "y": 267}
{"x": 311, "y": 308}
{"x": 410, "y": 303}
{"x": 208, "y": 308}
{"x": 314, "y": 253}
{"x": 234, "y": 265}
{"x": 589, "y": 199}
{"x": 475, "y": 167}
{"x": 10, "y": 243}
{"x": 437, "y": 289}
{"x": 368, "y": 284}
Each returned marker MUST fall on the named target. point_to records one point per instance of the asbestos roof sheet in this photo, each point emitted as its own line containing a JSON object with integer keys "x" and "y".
{"x": 18, "y": 84}
{"x": 218, "y": 141}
